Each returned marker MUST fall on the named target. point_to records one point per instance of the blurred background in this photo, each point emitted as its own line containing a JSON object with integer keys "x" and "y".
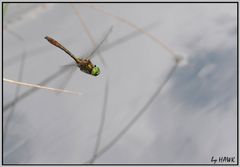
{"x": 167, "y": 92}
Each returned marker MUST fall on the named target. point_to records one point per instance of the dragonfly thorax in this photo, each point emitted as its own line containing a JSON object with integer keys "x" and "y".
{"x": 86, "y": 66}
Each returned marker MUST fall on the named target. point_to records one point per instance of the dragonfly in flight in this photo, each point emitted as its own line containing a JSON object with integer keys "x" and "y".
{"x": 84, "y": 64}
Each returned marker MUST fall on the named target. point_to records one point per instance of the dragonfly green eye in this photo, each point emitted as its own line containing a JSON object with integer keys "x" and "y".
{"x": 95, "y": 71}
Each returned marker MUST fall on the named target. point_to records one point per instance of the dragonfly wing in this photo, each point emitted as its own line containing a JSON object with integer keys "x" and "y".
{"x": 71, "y": 68}
{"x": 71, "y": 65}
{"x": 92, "y": 53}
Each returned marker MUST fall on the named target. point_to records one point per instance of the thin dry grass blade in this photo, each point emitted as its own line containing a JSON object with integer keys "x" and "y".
{"x": 32, "y": 90}
{"x": 97, "y": 8}
{"x": 88, "y": 32}
{"x": 135, "y": 118}
{"x": 158, "y": 90}
{"x": 106, "y": 89}
{"x": 41, "y": 87}
{"x": 20, "y": 75}
{"x": 97, "y": 153}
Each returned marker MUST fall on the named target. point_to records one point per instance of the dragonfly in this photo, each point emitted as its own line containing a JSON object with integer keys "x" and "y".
{"x": 84, "y": 64}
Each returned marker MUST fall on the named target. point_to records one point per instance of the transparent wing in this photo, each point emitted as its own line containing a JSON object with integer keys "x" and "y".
{"x": 71, "y": 68}
{"x": 91, "y": 55}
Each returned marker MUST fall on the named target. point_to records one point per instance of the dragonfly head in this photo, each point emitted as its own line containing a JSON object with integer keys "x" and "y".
{"x": 95, "y": 71}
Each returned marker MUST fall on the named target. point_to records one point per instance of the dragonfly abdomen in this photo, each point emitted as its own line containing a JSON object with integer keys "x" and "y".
{"x": 57, "y": 44}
